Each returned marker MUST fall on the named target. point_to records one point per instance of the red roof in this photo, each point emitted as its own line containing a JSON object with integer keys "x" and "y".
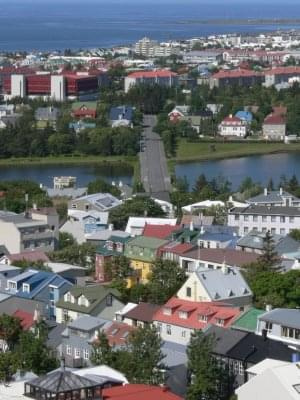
{"x": 26, "y": 319}
{"x": 231, "y": 118}
{"x": 212, "y": 311}
{"x": 160, "y": 231}
{"x": 235, "y": 73}
{"x": 160, "y": 73}
{"x": 143, "y": 312}
{"x": 232, "y": 257}
{"x": 179, "y": 249}
{"x": 117, "y": 333}
{"x": 283, "y": 70}
{"x": 274, "y": 119}
{"x": 138, "y": 392}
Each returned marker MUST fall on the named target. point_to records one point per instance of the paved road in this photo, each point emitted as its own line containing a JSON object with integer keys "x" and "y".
{"x": 154, "y": 171}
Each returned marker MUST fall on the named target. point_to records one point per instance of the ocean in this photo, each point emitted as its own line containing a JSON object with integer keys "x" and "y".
{"x": 57, "y": 25}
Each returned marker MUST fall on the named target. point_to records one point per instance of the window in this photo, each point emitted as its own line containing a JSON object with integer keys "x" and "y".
{"x": 201, "y": 244}
{"x": 246, "y": 218}
{"x": 264, "y": 218}
{"x": 220, "y": 322}
{"x": 236, "y": 217}
{"x": 12, "y": 285}
{"x": 255, "y": 218}
{"x": 203, "y": 318}
{"x": 269, "y": 327}
{"x": 264, "y": 230}
{"x": 169, "y": 330}
{"x": 282, "y": 231}
{"x": 246, "y": 229}
{"x": 77, "y": 353}
{"x": 167, "y": 311}
{"x": 109, "y": 300}
{"x": 86, "y": 354}
{"x": 68, "y": 297}
{"x": 183, "y": 314}
{"x": 282, "y": 219}
{"x": 273, "y": 231}
{"x": 183, "y": 334}
{"x": 26, "y": 288}
{"x": 290, "y": 332}
{"x": 208, "y": 245}
{"x": 273, "y": 218}
{"x": 292, "y": 220}
{"x": 159, "y": 326}
{"x": 188, "y": 292}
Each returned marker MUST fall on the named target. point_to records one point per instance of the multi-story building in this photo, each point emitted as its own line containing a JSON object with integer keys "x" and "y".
{"x": 279, "y": 198}
{"x": 142, "y": 252}
{"x": 97, "y": 202}
{"x": 280, "y": 220}
{"x": 145, "y": 46}
{"x": 225, "y": 285}
{"x": 279, "y": 75}
{"x": 19, "y": 233}
{"x": 233, "y": 126}
{"x": 281, "y": 324}
{"x": 96, "y": 301}
{"x": 177, "y": 319}
{"x": 274, "y": 127}
{"x": 161, "y": 77}
{"x": 77, "y": 340}
{"x": 238, "y": 77}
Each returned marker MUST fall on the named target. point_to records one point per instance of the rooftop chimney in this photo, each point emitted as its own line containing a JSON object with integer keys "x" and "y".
{"x": 265, "y": 192}
{"x": 281, "y": 191}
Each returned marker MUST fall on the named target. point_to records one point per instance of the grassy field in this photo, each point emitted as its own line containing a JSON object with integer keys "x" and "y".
{"x": 202, "y": 151}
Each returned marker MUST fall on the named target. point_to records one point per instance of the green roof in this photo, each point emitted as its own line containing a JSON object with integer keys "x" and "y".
{"x": 248, "y": 320}
{"x": 119, "y": 239}
{"x": 95, "y": 295}
{"x": 149, "y": 242}
{"x": 91, "y": 105}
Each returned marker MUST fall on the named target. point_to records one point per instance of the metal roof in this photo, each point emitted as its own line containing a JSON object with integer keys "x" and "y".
{"x": 283, "y": 316}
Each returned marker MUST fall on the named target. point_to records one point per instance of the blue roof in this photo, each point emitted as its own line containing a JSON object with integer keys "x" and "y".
{"x": 121, "y": 112}
{"x": 244, "y": 115}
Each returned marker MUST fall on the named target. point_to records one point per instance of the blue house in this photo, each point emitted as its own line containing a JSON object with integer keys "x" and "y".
{"x": 39, "y": 285}
{"x": 121, "y": 116}
{"x": 245, "y": 116}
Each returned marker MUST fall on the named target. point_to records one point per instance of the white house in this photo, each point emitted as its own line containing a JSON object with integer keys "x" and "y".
{"x": 233, "y": 126}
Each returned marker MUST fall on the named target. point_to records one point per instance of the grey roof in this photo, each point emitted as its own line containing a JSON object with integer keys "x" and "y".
{"x": 274, "y": 196}
{"x": 121, "y": 113}
{"x": 175, "y": 354}
{"x": 265, "y": 210}
{"x": 283, "y": 244}
{"x": 47, "y": 114}
{"x": 66, "y": 192}
{"x": 54, "y": 335}
{"x": 283, "y": 316}
{"x": 14, "y": 303}
{"x": 4, "y": 296}
{"x": 221, "y": 285}
{"x": 225, "y": 339}
{"x": 101, "y": 201}
{"x": 20, "y": 220}
{"x": 87, "y": 323}
{"x": 8, "y": 268}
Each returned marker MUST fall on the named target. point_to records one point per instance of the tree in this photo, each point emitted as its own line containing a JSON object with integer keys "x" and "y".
{"x": 269, "y": 257}
{"x": 118, "y": 268}
{"x": 99, "y": 185}
{"x": 165, "y": 280}
{"x": 102, "y": 352}
{"x": 146, "y": 356}
{"x": 8, "y": 365}
{"x": 76, "y": 254}
{"x": 295, "y": 234}
{"x": 65, "y": 240}
{"x": 210, "y": 380}
{"x": 10, "y": 330}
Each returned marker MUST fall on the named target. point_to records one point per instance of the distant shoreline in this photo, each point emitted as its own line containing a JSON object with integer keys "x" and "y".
{"x": 242, "y": 21}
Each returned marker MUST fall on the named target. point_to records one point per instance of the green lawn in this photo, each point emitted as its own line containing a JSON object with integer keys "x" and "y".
{"x": 202, "y": 151}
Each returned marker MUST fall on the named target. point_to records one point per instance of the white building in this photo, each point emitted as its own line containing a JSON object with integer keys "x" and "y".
{"x": 280, "y": 220}
{"x": 233, "y": 126}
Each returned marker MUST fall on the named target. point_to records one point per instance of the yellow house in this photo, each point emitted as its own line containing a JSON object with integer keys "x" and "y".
{"x": 142, "y": 252}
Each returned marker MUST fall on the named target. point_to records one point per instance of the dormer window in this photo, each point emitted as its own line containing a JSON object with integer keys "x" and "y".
{"x": 167, "y": 311}
{"x": 230, "y": 293}
{"x": 220, "y": 322}
{"x": 26, "y": 288}
{"x": 68, "y": 297}
{"x": 183, "y": 314}
{"x": 203, "y": 318}
{"x": 12, "y": 285}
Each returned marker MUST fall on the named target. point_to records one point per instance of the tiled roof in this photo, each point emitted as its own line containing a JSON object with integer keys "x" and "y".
{"x": 248, "y": 320}
{"x": 162, "y": 73}
{"x": 117, "y": 333}
{"x": 138, "y": 392}
{"x": 177, "y": 248}
{"x": 274, "y": 119}
{"x": 230, "y": 119}
{"x": 236, "y": 73}
{"x": 143, "y": 312}
{"x": 213, "y": 312}
{"x": 159, "y": 231}
{"x": 283, "y": 70}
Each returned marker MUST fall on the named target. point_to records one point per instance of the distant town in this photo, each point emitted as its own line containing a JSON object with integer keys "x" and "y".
{"x": 158, "y": 288}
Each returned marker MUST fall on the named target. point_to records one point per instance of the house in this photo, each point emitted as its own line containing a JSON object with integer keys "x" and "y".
{"x": 72, "y": 273}
{"x": 281, "y": 324}
{"x": 83, "y": 110}
{"x": 77, "y": 340}
{"x": 198, "y": 258}
{"x": 92, "y": 221}
{"x": 121, "y": 116}
{"x": 46, "y": 116}
{"x": 225, "y": 285}
{"x": 197, "y": 118}
{"x": 241, "y": 350}
{"x": 113, "y": 247}
{"x": 48, "y": 215}
{"x": 19, "y": 233}
{"x": 274, "y": 127}
{"x": 254, "y": 242}
{"x": 279, "y": 198}
{"x": 280, "y": 220}
{"x": 142, "y": 252}
{"x": 178, "y": 113}
{"x": 138, "y": 391}
{"x": 161, "y": 77}
{"x": 96, "y": 301}
{"x": 233, "y": 126}
{"x": 246, "y": 116}
{"x": 202, "y": 205}
{"x": 274, "y": 383}
{"x": 11, "y": 303}
{"x": 217, "y": 237}
{"x": 7, "y": 271}
{"x": 118, "y": 334}
{"x": 177, "y": 319}
{"x": 136, "y": 225}
{"x": 39, "y": 285}
{"x": 141, "y": 315}
{"x": 97, "y": 202}
{"x": 196, "y": 220}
